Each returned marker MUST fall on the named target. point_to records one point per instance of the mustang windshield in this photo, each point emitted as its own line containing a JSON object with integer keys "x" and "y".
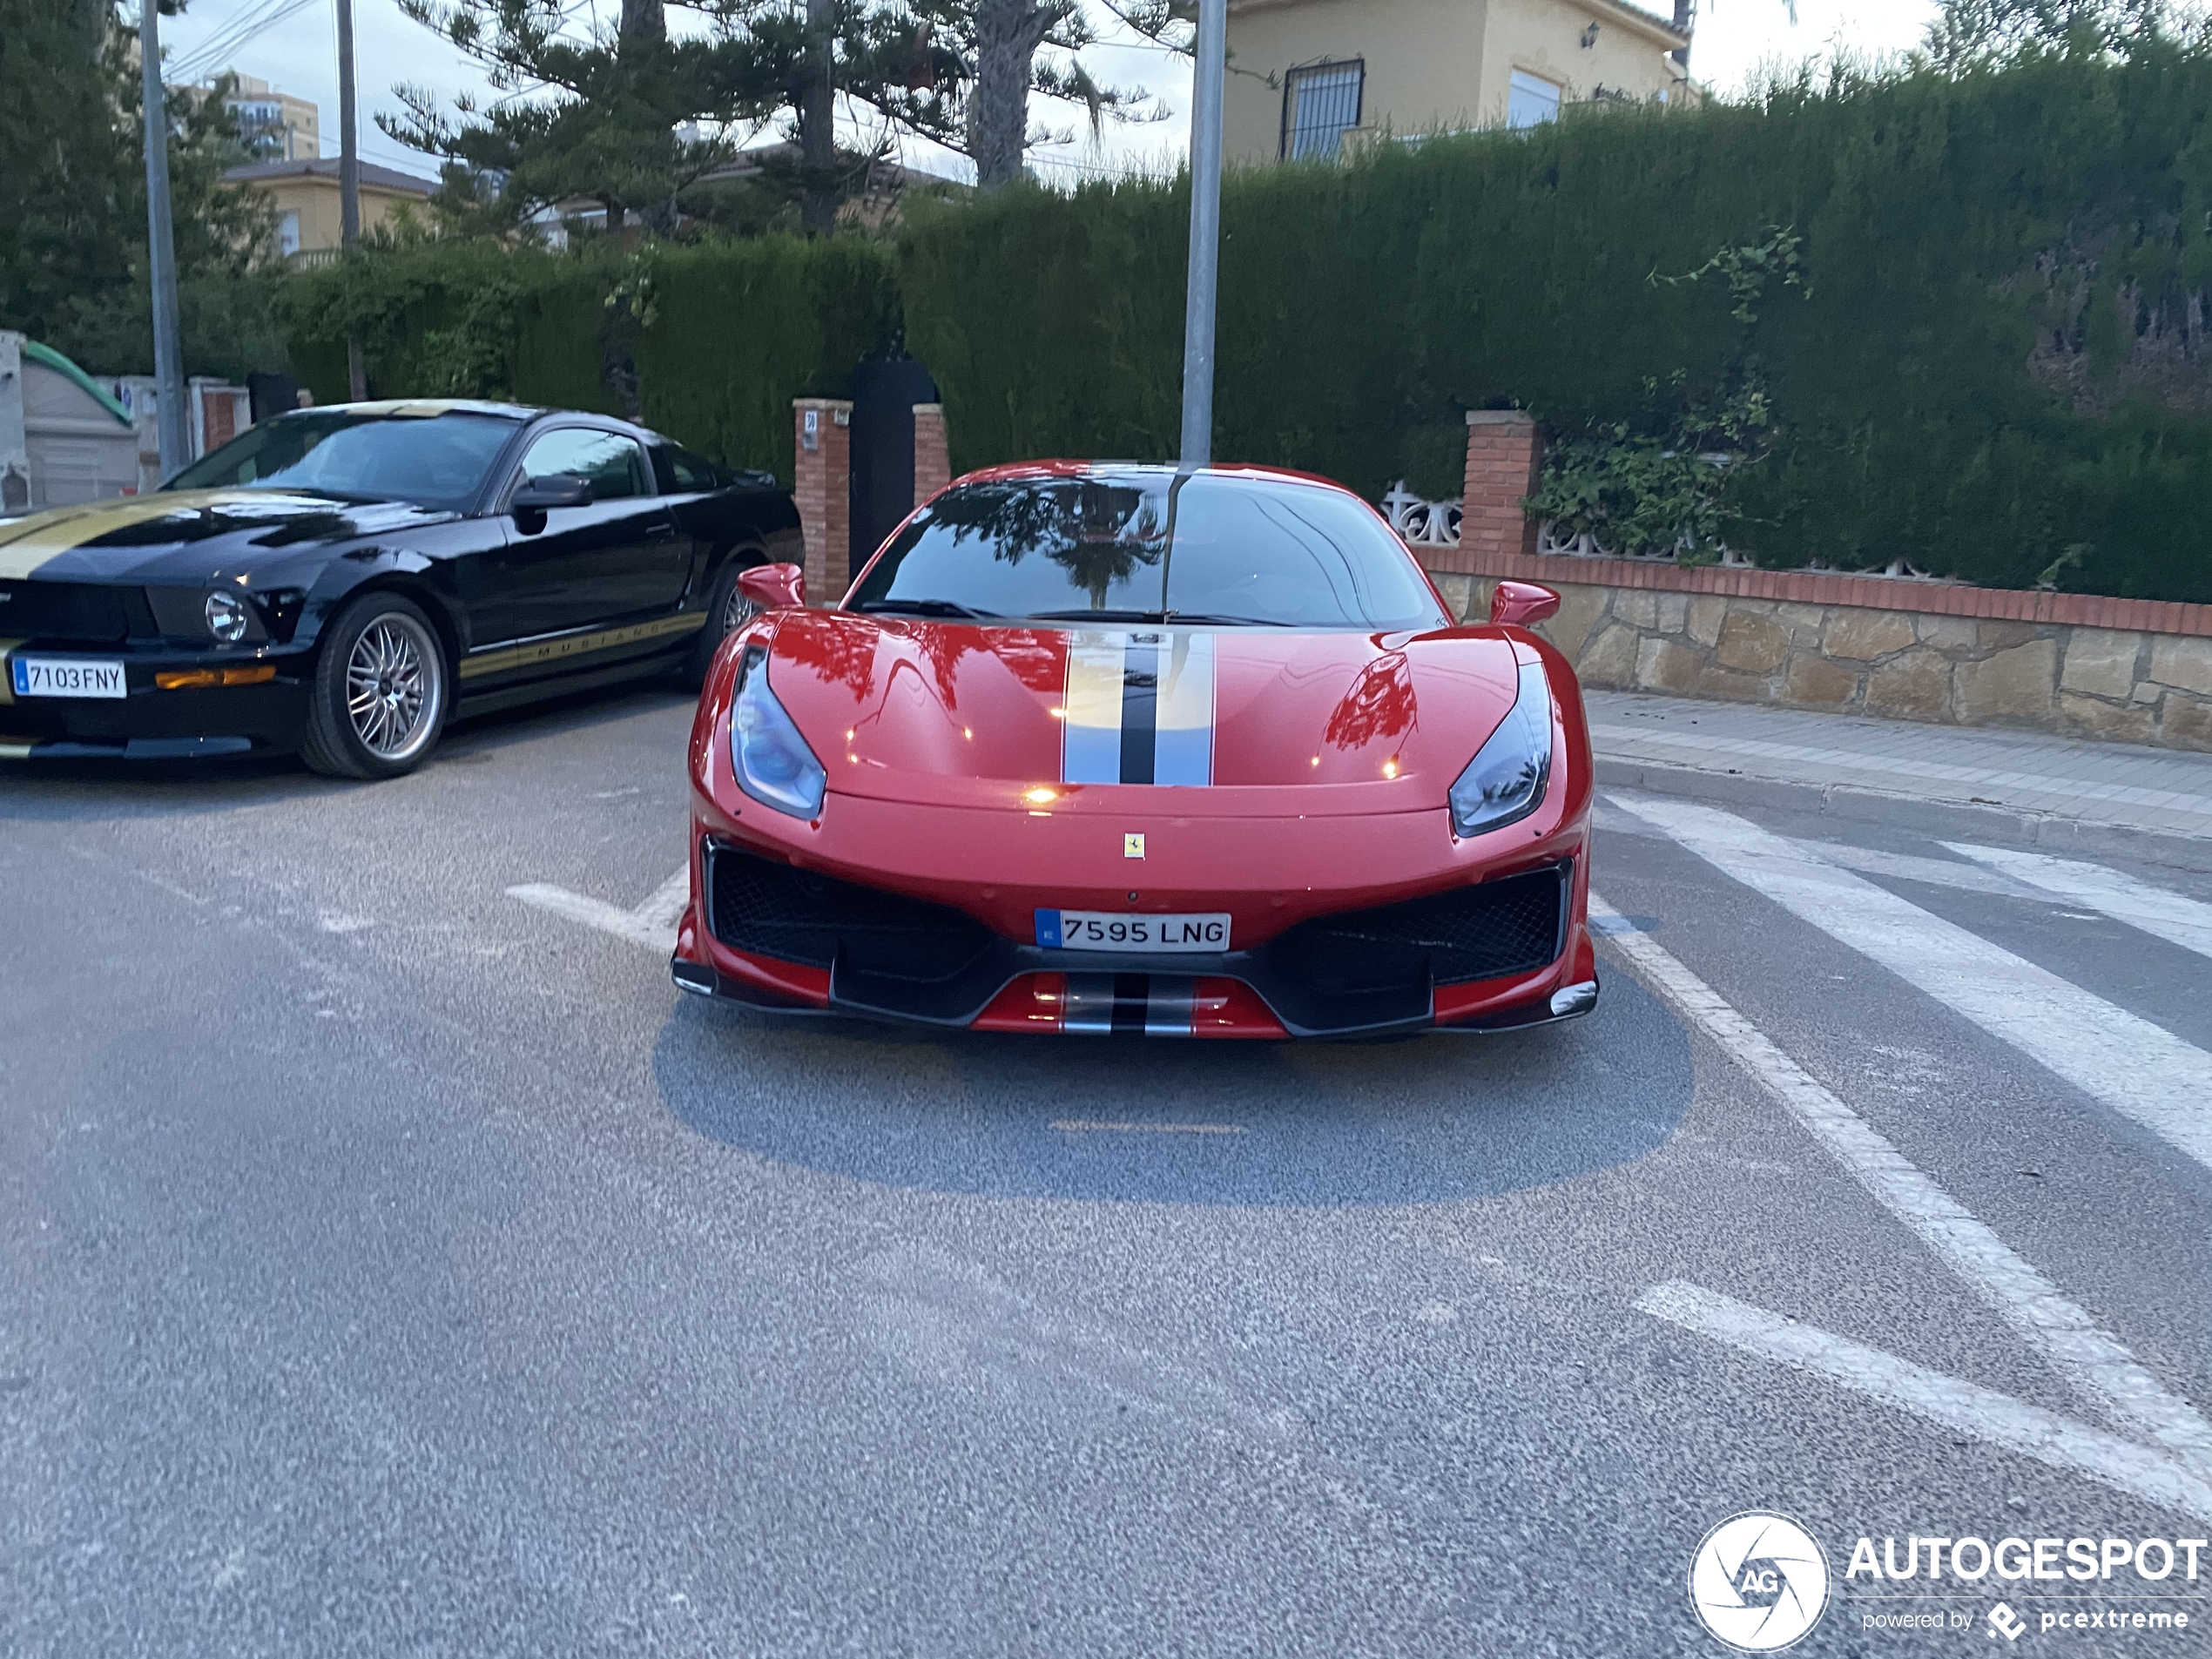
{"x": 1143, "y": 545}
{"x": 437, "y": 462}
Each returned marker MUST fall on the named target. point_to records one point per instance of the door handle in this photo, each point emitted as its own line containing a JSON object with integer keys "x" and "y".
{"x": 661, "y": 532}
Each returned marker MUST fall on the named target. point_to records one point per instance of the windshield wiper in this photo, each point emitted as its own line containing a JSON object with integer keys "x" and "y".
{"x": 1159, "y": 618}
{"x": 924, "y": 608}
{"x": 1096, "y": 616}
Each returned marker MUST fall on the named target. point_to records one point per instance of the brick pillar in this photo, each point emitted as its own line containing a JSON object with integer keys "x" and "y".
{"x": 822, "y": 486}
{"x": 218, "y": 416}
{"x": 1504, "y": 453}
{"x": 933, "y": 462}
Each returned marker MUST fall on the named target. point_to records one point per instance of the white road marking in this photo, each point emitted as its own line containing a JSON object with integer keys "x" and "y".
{"x": 1997, "y": 1420}
{"x": 666, "y": 907}
{"x": 1939, "y": 872}
{"x": 2172, "y": 916}
{"x": 2031, "y": 1303}
{"x": 2139, "y": 1069}
{"x": 652, "y": 924}
{"x": 1092, "y": 1126}
{"x": 1870, "y": 860}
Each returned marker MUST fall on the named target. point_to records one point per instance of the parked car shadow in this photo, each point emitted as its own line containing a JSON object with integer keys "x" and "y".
{"x": 1415, "y": 1119}
{"x": 48, "y": 789}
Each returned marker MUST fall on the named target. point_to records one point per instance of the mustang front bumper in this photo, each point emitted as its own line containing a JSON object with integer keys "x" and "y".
{"x": 200, "y": 717}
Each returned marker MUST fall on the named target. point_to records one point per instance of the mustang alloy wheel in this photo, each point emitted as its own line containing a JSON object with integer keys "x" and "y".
{"x": 388, "y": 678}
{"x": 381, "y": 691}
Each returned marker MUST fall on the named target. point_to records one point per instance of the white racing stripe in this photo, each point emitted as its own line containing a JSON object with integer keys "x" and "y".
{"x": 1997, "y": 1420}
{"x": 652, "y": 924}
{"x": 1091, "y": 710}
{"x": 2034, "y": 1307}
{"x": 2138, "y": 1070}
{"x": 2172, "y": 916}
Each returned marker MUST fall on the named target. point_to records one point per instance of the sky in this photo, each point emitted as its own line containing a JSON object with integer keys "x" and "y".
{"x": 1737, "y": 40}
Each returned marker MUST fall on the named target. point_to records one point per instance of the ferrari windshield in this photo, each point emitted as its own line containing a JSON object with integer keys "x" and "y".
{"x": 435, "y": 460}
{"x": 1147, "y": 544}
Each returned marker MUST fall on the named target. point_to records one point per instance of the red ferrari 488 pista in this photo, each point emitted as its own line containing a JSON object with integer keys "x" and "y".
{"x": 1104, "y": 747}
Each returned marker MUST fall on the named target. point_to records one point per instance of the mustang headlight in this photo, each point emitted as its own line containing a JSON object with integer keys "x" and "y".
{"x": 1505, "y": 779}
{"x": 772, "y": 763}
{"x": 227, "y": 617}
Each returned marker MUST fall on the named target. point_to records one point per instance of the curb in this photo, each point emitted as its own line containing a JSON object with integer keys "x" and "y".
{"x": 2052, "y": 833}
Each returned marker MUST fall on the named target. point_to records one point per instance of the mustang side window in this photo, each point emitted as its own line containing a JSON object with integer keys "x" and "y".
{"x": 614, "y": 464}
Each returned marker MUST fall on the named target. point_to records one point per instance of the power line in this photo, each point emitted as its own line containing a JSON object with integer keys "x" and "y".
{"x": 256, "y": 20}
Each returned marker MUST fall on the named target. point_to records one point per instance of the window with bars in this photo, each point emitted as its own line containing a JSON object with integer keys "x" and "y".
{"x": 1320, "y": 102}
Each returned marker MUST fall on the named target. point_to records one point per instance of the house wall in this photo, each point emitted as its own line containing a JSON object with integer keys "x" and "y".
{"x": 316, "y": 199}
{"x": 1545, "y": 37}
{"x": 1422, "y": 55}
{"x": 1430, "y": 64}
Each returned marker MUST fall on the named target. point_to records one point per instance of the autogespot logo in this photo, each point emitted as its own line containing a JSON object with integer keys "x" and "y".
{"x": 1759, "y": 1582}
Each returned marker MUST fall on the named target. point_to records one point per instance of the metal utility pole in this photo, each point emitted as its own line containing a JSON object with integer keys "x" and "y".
{"x": 161, "y": 251}
{"x": 349, "y": 182}
{"x": 1205, "y": 231}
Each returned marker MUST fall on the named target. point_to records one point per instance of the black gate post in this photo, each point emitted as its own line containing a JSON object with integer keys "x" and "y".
{"x": 885, "y": 391}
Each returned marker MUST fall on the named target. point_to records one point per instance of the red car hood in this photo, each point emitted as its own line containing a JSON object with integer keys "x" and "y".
{"x": 949, "y": 713}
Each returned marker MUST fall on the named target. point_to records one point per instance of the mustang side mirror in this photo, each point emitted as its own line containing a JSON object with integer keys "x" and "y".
{"x": 553, "y": 490}
{"x": 1521, "y": 602}
{"x": 773, "y": 587}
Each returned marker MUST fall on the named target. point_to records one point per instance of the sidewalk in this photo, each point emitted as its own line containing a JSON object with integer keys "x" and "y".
{"x": 2019, "y": 788}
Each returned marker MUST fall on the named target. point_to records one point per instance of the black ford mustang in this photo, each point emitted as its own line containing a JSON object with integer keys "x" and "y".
{"x": 340, "y": 581}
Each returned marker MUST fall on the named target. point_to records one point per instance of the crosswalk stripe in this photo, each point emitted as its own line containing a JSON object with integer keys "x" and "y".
{"x": 2160, "y": 911}
{"x": 2060, "y": 1329}
{"x": 1996, "y": 1418}
{"x": 2136, "y": 1068}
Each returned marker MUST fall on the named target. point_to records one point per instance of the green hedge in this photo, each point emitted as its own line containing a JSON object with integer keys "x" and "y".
{"x": 739, "y": 329}
{"x": 1992, "y": 364}
{"x": 1951, "y": 228}
{"x": 716, "y": 339}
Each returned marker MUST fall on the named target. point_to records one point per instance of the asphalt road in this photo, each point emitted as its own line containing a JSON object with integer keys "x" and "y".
{"x": 398, "y": 1266}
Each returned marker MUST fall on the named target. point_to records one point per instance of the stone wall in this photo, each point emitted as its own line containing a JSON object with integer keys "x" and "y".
{"x": 1903, "y": 659}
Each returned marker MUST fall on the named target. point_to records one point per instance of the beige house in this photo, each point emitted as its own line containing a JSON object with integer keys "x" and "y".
{"x": 305, "y": 196}
{"x": 1309, "y": 77}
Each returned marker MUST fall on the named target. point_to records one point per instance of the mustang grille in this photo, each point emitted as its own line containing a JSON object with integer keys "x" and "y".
{"x": 769, "y": 909}
{"x": 63, "y": 611}
{"x": 1487, "y": 931}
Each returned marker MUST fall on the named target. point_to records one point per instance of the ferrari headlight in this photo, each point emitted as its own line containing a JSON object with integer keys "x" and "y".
{"x": 1505, "y": 779}
{"x": 772, "y": 763}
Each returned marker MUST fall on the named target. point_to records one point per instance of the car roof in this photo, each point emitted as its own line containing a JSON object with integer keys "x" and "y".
{"x": 423, "y": 407}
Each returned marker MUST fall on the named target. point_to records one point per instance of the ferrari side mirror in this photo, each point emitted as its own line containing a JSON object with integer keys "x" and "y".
{"x": 773, "y": 587}
{"x": 1521, "y": 603}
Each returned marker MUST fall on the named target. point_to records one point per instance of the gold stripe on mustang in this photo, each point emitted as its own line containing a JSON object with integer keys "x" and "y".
{"x": 530, "y": 653}
{"x": 7, "y": 674}
{"x": 29, "y": 543}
